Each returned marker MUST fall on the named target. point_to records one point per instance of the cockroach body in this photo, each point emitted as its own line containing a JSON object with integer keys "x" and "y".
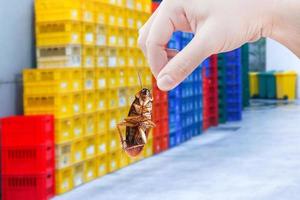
{"x": 138, "y": 123}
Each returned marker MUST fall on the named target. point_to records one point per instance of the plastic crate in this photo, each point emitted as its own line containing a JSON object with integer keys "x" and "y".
{"x": 32, "y": 187}
{"x": 90, "y": 170}
{"x": 27, "y": 130}
{"x": 101, "y": 165}
{"x": 89, "y": 147}
{"x": 102, "y": 123}
{"x": 157, "y": 145}
{"x": 78, "y": 151}
{"x": 64, "y": 180}
{"x": 63, "y": 155}
{"x": 101, "y": 57}
{"x": 59, "y": 56}
{"x": 148, "y": 149}
{"x": 101, "y": 100}
{"x": 113, "y": 118}
{"x": 27, "y": 160}
{"x": 78, "y": 125}
{"x": 89, "y": 101}
{"x": 89, "y": 80}
{"x": 78, "y": 174}
{"x": 41, "y": 81}
{"x": 113, "y": 141}
{"x": 113, "y": 161}
{"x": 164, "y": 143}
{"x": 89, "y": 124}
{"x": 64, "y": 130}
{"x": 102, "y": 144}
{"x": 58, "y": 33}
{"x": 124, "y": 160}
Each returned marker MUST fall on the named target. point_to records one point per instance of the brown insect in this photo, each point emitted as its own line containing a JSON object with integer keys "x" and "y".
{"x": 138, "y": 123}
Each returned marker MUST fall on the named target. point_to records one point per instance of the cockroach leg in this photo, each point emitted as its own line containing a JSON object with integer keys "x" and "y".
{"x": 143, "y": 135}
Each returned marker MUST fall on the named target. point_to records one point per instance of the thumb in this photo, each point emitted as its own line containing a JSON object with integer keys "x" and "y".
{"x": 184, "y": 63}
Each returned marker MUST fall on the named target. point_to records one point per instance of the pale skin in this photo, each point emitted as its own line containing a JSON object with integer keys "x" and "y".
{"x": 219, "y": 26}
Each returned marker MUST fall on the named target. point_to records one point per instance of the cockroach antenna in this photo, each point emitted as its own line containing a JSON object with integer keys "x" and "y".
{"x": 140, "y": 80}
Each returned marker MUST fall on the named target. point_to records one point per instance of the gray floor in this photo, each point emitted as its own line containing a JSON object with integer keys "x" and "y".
{"x": 258, "y": 158}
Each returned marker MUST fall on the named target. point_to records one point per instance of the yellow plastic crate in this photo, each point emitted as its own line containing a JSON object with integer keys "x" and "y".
{"x": 286, "y": 83}
{"x": 89, "y": 147}
{"x": 121, "y": 17}
{"x": 63, "y": 130}
{"x": 78, "y": 126}
{"x": 78, "y": 149}
{"x": 124, "y": 160}
{"x": 89, "y": 57}
{"x": 78, "y": 174}
{"x": 59, "y": 57}
{"x": 63, "y": 155}
{"x": 116, "y": 37}
{"x": 101, "y": 35}
{"x": 113, "y": 101}
{"x": 51, "y": 4}
{"x": 131, "y": 19}
{"x": 89, "y": 79}
{"x": 112, "y": 16}
{"x": 101, "y": 143}
{"x": 131, "y": 58}
{"x": 59, "y": 105}
{"x": 133, "y": 77}
{"x": 113, "y": 119}
{"x": 122, "y": 96}
{"x": 113, "y": 141}
{"x": 146, "y": 76}
{"x": 101, "y": 164}
{"x": 89, "y": 11}
{"x": 121, "y": 57}
{"x": 122, "y": 77}
{"x": 101, "y": 57}
{"x": 90, "y": 170}
{"x": 130, "y": 4}
{"x": 101, "y": 76}
{"x": 147, "y": 6}
{"x": 89, "y": 31}
{"x": 102, "y": 10}
{"x": 89, "y": 102}
{"x": 123, "y": 113}
{"x": 77, "y": 103}
{"x": 101, "y": 100}
{"x": 40, "y": 81}
{"x": 90, "y": 121}
{"x": 112, "y": 78}
{"x": 112, "y": 57}
{"x": 64, "y": 180}
{"x": 148, "y": 149}
{"x": 58, "y": 14}
{"x": 113, "y": 161}
{"x": 132, "y": 37}
{"x": 58, "y": 33}
{"x": 102, "y": 123}
{"x": 140, "y": 60}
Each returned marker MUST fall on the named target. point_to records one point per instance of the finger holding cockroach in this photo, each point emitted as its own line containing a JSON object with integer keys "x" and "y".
{"x": 138, "y": 123}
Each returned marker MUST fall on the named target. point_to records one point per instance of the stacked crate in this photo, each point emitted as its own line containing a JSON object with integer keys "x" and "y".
{"x": 89, "y": 48}
{"x": 161, "y": 119}
{"x": 27, "y": 157}
{"x": 222, "y": 90}
{"x": 185, "y": 101}
{"x": 233, "y": 67}
{"x": 245, "y": 77}
{"x": 210, "y": 92}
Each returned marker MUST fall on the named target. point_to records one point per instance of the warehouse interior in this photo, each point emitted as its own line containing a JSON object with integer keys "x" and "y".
{"x": 228, "y": 131}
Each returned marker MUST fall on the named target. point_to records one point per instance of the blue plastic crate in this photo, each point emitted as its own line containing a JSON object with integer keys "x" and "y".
{"x": 174, "y": 121}
{"x": 233, "y": 57}
{"x": 172, "y": 140}
{"x": 186, "y": 39}
{"x": 174, "y": 104}
{"x": 234, "y": 116}
{"x": 175, "y": 41}
{"x": 175, "y": 93}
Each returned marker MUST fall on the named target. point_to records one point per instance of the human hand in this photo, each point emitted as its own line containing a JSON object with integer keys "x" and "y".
{"x": 219, "y": 26}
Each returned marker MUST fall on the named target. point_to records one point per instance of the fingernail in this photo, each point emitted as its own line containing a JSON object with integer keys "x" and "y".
{"x": 165, "y": 82}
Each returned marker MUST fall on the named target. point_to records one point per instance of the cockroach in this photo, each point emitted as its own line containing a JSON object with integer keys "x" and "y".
{"x": 138, "y": 123}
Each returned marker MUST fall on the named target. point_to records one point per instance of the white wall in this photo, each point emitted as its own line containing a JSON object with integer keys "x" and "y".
{"x": 280, "y": 58}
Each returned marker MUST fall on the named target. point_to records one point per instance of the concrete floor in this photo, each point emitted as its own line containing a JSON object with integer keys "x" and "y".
{"x": 258, "y": 158}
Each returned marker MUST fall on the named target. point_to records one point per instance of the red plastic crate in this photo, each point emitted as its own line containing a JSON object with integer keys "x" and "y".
{"x": 27, "y": 160}
{"x": 164, "y": 143}
{"x": 164, "y": 127}
{"x": 155, "y": 6}
{"x": 156, "y": 130}
{"x": 157, "y": 145}
{"x": 164, "y": 110}
{"x": 28, "y": 187}
{"x": 27, "y": 130}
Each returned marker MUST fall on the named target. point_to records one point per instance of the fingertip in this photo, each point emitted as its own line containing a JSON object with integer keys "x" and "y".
{"x": 165, "y": 82}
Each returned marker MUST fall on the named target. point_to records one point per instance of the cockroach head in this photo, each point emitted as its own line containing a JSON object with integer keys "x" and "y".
{"x": 145, "y": 93}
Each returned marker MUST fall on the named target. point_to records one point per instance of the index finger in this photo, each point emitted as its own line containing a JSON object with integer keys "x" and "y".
{"x": 159, "y": 35}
